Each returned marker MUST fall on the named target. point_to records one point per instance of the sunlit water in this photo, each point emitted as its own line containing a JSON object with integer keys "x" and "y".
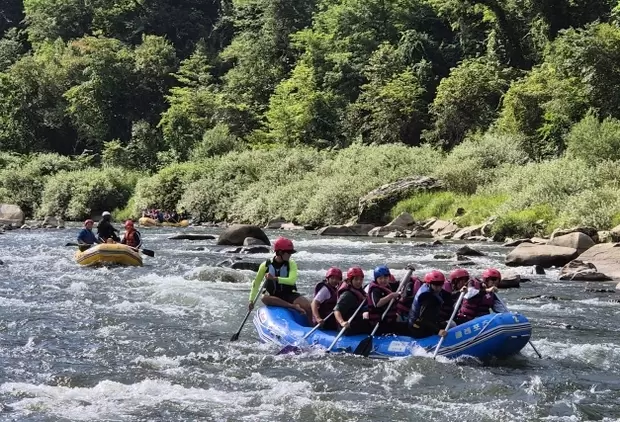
{"x": 152, "y": 343}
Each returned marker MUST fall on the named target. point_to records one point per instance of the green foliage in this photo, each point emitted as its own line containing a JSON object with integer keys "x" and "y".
{"x": 535, "y": 221}
{"x": 475, "y": 162}
{"x": 216, "y": 141}
{"x": 594, "y": 141}
{"x": 80, "y": 194}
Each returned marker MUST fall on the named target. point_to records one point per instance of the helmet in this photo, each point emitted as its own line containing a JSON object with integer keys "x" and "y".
{"x": 89, "y": 221}
{"x": 354, "y": 272}
{"x": 434, "y": 277}
{"x": 105, "y": 213}
{"x": 334, "y": 272}
{"x": 128, "y": 224}
{"x": 284, "y": 245}
{"x": 381, "y": 271}
{"x": 491, "y": 273}
{"x": 458, "y": 273}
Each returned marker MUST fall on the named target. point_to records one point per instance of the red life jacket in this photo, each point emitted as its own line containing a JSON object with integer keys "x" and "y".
{"x": 131, "y": 239}
{"x": 374, "y": 313}
{"x": 326, "y": 307}
{"x": 403, "y": 306}
{"x": 360, "y": 294}
{"x": 478, "y": 305}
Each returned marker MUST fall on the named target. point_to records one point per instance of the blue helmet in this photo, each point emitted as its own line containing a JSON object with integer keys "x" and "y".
{"x": 382, "y": 271}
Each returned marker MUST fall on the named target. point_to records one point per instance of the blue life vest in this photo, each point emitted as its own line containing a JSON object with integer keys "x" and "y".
{"x": 416, "y": 306}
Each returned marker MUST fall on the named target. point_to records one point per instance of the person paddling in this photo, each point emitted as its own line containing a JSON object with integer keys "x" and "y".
{"x": 86, "y": 238}
{"x": 379, "y": 297}
{"x": 325, "y": 298}
{"x": 281, "y": 275}
{"x": 131, "y": 237}
{"x": 480, "y": 298}
{"x": 351, "y": 295}
{"x": 425, "y": 316}
{"x": 105, "y": 230}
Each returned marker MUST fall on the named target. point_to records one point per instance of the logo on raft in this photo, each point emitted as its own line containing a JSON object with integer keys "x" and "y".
{"x": 262, "y": 315}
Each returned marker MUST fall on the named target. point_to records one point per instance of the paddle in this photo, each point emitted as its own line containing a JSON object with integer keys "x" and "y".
{"x": 365, "y": 346}
{"x": 235, "y": 336}
{"x": 456, "y": 309}
{"x": 529, "y": 341}
{"x": 147, "y": 252}
{"x": 341, "y": 333}
{"x": 296, "y": 349}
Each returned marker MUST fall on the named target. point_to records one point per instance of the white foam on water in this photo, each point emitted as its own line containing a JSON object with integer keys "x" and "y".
{"x": 601, "y": 355}
{"x": 159, "y": 362}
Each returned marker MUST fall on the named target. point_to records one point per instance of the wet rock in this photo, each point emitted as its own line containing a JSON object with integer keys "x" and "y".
{"x": 544, "y": 255}
{"x": 394, "y": 234}
{"x": 236, "y": 234}
{"x": 384, "y": 230}
{"x": 478, "y": 239}
{"x": 618, "y": 286}
{"x": 510, "y": 243}
{"x": 200, "y": 248}
{"x": 463, "y": 262}
{"x": 421, "y": 234}
{"x": 251, "y": 241}
{"x": 539, "y": 270}
{"x": 468, "y": 232}
{"x": 275, "y": 223}
{"x": 605, "y": 257}
{"x": 510, "y": 280}
{"x": 192, "y": 236}
{"x": 427, "y": 244}
{"x": 1, "y": 262}
{"x": 600, "y": 290}
{"x": 53, "y": 222}
{"x": 591, "y": 232}
{"x": 540, "y": 297}
{"x": 581, "y": 271}
{"x": 254, "y": 249}
{"x": 375, "y": 206}
{"x": 11, "y": 214}
{"x": 404, "y": 219}
{"x": 443, "y": 256}
{"x": 468, "y": 251}
{"x": 237, "y": 264}
{"x": 576, "y": 240}
{"x": 346, "y": 230}
{"x": 25, "y": 227}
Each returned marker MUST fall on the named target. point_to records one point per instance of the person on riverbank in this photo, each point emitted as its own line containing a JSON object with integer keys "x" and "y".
{"x": 480, "y": 298}
{"x": 325, "y": 299}
{"x": 131, "y": 237}
{"x": 426, "y": 312}
{"x": 351, "y": 295}
{"x": 105, "y": 229}
{"x": 281, "y": 283}
{"x": 379, "y": 297}
{"x": 86, "y": 237}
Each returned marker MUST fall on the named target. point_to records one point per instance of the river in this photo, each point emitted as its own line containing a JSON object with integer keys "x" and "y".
{"x": 152, "y": 343}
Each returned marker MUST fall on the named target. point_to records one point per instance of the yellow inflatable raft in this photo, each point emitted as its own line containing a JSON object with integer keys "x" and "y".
{"x": 151, "y": 222}
{"x": 109, "y": 253}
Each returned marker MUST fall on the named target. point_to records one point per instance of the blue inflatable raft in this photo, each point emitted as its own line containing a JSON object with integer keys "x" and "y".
{"x": 494, "y": 335}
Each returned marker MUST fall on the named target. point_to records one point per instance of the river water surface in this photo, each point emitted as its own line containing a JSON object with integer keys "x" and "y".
{"x": 152, "y": 343}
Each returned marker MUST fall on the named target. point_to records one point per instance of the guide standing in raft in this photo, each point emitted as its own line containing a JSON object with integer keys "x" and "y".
{"x": 281, "y": 275}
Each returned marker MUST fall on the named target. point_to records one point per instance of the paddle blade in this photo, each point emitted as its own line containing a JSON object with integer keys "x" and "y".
{"x": 290, "y": 349}
{"x": 148, "y": 252}
{"x": 71, "y": 244}
{"x": 364, "y": 348}
{"x": 235, "y": 336}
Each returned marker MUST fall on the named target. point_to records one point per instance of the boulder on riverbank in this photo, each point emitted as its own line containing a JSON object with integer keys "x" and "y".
{"x": 236, "y": 234}
{"x": 605, "y": 257}
{"x": 576, "y": 240}
{"x": 346, "y": 230}
{"x": 375, "y": 206}
{"x": 581, "y": 271}
{"x": 12, "y": 214}
{"x": 528, "y": 254}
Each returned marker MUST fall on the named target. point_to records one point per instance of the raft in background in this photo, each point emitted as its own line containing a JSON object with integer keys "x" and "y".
{"x": 109, "y": 254}
{"x": 151, "y": 222}
{"x": 494, "y": 335}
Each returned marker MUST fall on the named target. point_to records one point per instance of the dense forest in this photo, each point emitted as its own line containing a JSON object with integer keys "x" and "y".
{"x": 247, "y": 109}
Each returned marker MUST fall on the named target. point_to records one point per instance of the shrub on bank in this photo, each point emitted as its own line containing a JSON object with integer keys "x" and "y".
{"x": 78, "y": 195}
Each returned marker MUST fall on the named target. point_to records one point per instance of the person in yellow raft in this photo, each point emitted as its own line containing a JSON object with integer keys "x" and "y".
{"x": 281, "y": 280}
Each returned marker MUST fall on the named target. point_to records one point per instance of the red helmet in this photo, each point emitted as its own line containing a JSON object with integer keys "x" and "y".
{"x": 89, "y": 221}
{"x": 128, "y": 224}
{"x": 282, "y": 244}
{"x": 334, "y": 272}
{"x": 435, "y": 277}
{"x": 458, "y": 273}
{"x": 354, "y": 272}
{"x": 491, "y": 273}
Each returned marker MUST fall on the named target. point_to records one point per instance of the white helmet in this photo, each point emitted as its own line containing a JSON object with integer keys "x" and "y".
{"x": 105, "y": 213}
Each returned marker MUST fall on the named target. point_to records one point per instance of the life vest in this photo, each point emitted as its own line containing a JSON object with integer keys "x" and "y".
{"x": 478, "y": 305}
{"x": 281, "y": 271}
{"x": 131, "y": 239}
{"x": 446, "y": 308}
{"x": 403, "y": 306}
{"x": 375, "y": 313}
{"x": 360, "y": 294}
{"x": 416, "y": 307}
{"x": 327, "y": 306}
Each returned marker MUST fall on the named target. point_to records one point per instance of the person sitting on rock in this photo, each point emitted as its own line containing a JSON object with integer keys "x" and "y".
{"x": 480, "y": 298}
{"x": 131, "y": 237}
{"x": 105, "y": 230}
{"x": 281, "y": 284}
{"x": 351, "y": 295}
{"x": 325, "y": 299}
{"x": 86, "y": 238}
